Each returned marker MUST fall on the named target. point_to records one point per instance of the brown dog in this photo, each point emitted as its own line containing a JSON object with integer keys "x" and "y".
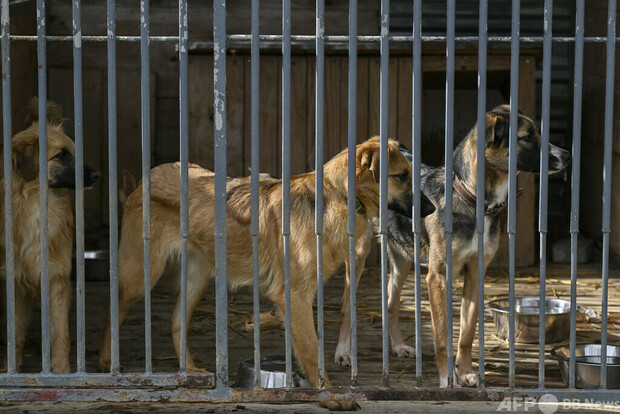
{"x": 27, "y": 244}
{"x": 166, "y": 240}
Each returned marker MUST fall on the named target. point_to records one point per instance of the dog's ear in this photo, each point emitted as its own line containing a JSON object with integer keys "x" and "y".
{"x": 54, "y": 113}
{"x": 370, "y": 161}
{"x": 26, "y": 160}
{"x": 497, "y": 128}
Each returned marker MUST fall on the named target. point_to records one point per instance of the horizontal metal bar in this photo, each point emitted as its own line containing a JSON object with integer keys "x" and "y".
{"x": 275, "y": 395}
{"x": 102, "y": 38}
{"x": 83, "y": 380}
{"x": 312, "y": 39}
{"x": 406, "y": 38}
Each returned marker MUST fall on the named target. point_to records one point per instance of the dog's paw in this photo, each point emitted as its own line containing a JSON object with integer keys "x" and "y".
{"x": 343, "y": 355}
{"x": 469, "y": 379}
{"x": 340, "y": 405}
{"x": 403, "y": 351}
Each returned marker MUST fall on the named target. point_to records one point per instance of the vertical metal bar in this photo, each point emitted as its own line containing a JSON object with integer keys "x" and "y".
{"x": 512, "y": 184}
{"x": 113, "y": 187}
{"x": 416, "y": 138}
{"x": 184, "y": 157}
{"x": 383, "y": 158}
{"x": 8, "y": 187}
{"x": 318, "y": 210}
{"x": 43, "y": 187}
{"x": 221, "y": 288}
{"x": 79, "y": 185}
{"x": 351, "y": 189}
{"x": 449, "y": 144}
{"x": 480, "y": 179}
{"x": 146, "y": 177}
{"x": 607, "y": 166}
{"x": 574, "y": 217}
{"x": 286, "y": 181}
{"x": 255, "y": 99}
{"x": 544, "y": 184}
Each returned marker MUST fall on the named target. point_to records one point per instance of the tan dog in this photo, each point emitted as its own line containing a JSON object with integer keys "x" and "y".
{"x": 27, "y": 244}
{"x": 166, "y": 240}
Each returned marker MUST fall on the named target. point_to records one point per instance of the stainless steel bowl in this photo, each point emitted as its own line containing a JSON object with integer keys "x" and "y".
{"x": 272, "y": 373}
{"x": 557, "y": 319}
{"x": 588, "y": 365}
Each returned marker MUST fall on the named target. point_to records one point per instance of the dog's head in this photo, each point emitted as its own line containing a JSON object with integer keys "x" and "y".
{"x": 528, "y": 143}
{"x": 60, "y": 151}
{"x": 426, "y": 206}
{"x": 400, "y": 197}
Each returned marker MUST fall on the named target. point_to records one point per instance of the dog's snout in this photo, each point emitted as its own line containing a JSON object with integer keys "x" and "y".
{"x": 94, "y": 175}
{"x": 90, "y": 176}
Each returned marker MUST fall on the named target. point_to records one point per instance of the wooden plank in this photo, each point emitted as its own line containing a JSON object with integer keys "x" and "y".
{"x": 235, "y": 115}
{"x": 374, "y": 95}
{"x": 405, "y": 100}
{"x": 200, "y": 102}
{"x": 363, "y": 99}
{"x": 310, "y": 127}
{"x": 332, "y": 107}
{"x": 393, "y": 92}
{"x": 299, "y": 120}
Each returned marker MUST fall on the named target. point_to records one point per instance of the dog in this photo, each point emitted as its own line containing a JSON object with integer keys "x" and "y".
{"x": 26, "y": 229}
{"x": 464, "y": 236}
{"x": 166, "y": 239}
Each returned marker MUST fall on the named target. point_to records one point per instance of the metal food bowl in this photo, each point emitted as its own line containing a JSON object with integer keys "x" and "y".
{"x": 272, "y": 373}
{"x": 588, "y": 365}
{"x": 557, "y": 319}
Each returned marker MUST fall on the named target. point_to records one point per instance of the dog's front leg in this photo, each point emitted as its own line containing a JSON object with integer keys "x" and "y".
{"x": 436, "y": 280}
{"x": 60, "y": 302}
{"x": 465, "y": 376}
{"x": 400, "y": 267}
{"x": 306, "y": 345}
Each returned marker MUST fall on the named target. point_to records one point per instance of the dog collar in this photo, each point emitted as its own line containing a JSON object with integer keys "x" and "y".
{"x": 470, "y": 198}
{"x": 360, "y": 207}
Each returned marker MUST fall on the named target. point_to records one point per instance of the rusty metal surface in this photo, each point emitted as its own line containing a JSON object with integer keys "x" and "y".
{"x": 85, "y": 381}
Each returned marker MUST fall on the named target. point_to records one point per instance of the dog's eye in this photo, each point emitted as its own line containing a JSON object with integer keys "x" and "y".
{"x": 402, "y": 177}
{"x": 64, "y": 155}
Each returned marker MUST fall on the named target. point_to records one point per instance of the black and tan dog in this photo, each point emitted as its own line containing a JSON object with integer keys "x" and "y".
{"x": 464, "y": 238}
{"x": 27, "y": 244}
{"x": 166, "y": 240}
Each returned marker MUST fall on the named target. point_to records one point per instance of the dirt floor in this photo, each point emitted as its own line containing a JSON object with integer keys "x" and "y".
{"x": 402, "y": 371}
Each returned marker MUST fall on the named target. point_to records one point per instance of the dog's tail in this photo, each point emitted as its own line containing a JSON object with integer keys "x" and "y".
{"x": 129, "y": 185}
{"x": 54, "y": 113}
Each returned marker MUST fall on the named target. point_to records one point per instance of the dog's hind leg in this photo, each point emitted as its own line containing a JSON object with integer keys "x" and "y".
{"x": 465, "y": 376}
{"x": 400, "y": 267}
{"x": 60, "y": 302}
{"x": 197, "y": 281}
{"x": 343, "y": 349}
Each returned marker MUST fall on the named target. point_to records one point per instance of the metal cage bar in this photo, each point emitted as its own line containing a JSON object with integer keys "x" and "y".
{"x": 255, "y": 142}
{"x": 43, "y": 189}
{"x": 319, "y": 202}
{"x": 286, "y": 182}
{"x": 576, "y": 160}
{"x": 184, "y": 158}
{"x": 512, "y": 183}
{"x": 145, "y": 120}
{"x": 351, "y": 189}
{"x": 544, "y": 184}
{"x": 416, "y": 145}
{"x": 7, "y": 137}
{"x": 607, "y": 180}
{"x": 113, "y": 185}
{"x": 219, "y": 142}
{"x": 79, "y": 186}
{"x": 480, "y": 179}
{"x": 448, "y": 179}
{"x": 383, "y": 205}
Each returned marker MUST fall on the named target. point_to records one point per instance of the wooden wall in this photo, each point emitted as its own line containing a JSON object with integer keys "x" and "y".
{"x": 593, "y": 132}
